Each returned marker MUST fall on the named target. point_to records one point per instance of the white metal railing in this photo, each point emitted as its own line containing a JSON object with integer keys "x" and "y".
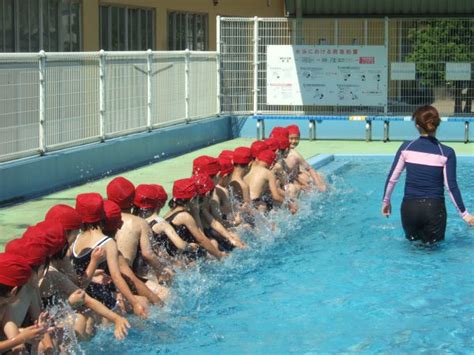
{"x": 50, "y": 101}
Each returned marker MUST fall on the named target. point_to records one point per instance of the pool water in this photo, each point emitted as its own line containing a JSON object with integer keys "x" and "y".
{"x": 338, "y": 277}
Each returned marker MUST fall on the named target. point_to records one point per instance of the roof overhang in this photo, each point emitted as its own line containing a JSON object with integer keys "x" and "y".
{"x": 380, "y": 8}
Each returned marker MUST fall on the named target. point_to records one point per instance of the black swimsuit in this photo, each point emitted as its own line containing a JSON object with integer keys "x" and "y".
{"x": 266, "y": 199}
{"x": 103, "y": 293}
{"x": 139, "y": 265}
{"x": 162, "y": 240}
{"x": 224, "y": 244}
{"x": 49, "y": 301}
{"x": 186, "y": 235}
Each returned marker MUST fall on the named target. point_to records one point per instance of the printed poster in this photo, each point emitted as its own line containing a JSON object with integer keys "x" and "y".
{"x": 327, "y": 75}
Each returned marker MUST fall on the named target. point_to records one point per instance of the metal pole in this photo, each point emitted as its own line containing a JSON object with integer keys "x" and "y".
{"x": 299, "y": 21}
{"x": 386, "y": 131}
{"x": 336, "y": 31}
{"x": 255, "y": 65}
{"x": 186, "y": 83}
{"x": 260, "y": 129}
{"x": 294, "y": 32}
{"x": 386, "y": 35}
{"x": 365, "y": 31}
{"x": 102, "y": 95}
{"x": 218, "y": 64}
{"x": 42, "y": 101}
{"x": 466, "y": 132}
{"x": 149, "y": 63}
{"x": 41, "y": 26}
{"x": 400, "y": 48}
{"x": 312, "y": 130}
{"x": 368, "y": 131}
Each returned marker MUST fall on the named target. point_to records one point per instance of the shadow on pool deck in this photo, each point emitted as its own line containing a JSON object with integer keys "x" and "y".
{"x": 14, "y": 219}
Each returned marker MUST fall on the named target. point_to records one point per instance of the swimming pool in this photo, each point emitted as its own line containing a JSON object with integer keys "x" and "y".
{"x": 338, "y": 277}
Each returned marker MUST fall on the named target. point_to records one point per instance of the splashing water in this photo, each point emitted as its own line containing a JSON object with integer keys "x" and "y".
{"x": 200, "y": 282}
{"x": 64, "y": 318}
{"x": 335, "y": 277}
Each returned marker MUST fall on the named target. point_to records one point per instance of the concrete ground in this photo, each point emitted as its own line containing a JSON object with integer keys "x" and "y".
{"x": 15, "y": 219}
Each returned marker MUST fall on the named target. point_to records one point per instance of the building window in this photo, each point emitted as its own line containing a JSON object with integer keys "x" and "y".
{"x": 188, "y": 31}
{"x": 31, "y": 25}
{"x": 126, "y": 28}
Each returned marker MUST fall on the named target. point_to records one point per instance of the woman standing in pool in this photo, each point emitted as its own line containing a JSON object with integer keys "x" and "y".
{"x": 429, "y": 165}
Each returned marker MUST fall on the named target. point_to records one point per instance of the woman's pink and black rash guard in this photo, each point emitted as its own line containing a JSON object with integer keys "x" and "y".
{"x": 430, "y": 165}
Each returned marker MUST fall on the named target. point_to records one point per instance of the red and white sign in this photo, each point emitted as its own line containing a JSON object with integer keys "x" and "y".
{"x": 367, "y": 60}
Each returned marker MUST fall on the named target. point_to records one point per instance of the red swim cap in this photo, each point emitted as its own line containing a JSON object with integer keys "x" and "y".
{"x": 283, "y": 142}
{"x": 32, "y": 250}
{"x": 257, "y": 147}
{"x": 294, "y": 130}
{"x": 242, "y": 155}
{"x": 121, "y": 191}
{"x": 113, "y": 217}
{"x": 54, "y": 235}
{"x": 14, "y": 270}
{"x": 227, "y": 154}
{"x": 272, "y": 143}
{"x": 279, "y": 132}
{"x": 162, "y": 195}
{"x": 206, "y": 165}
{"x": 226, "y": 166}
{"x": 146, "y": 196}
{"x": 184, "y": 189}
{"x": 204, "y": 184}
{"x": 66, "y": 215}
{"x": 267, "y": 156}
{"x": 90, "y": 206}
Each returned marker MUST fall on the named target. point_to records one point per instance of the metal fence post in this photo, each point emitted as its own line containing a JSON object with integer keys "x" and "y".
{"x": 299, "y": 22}
{"x": 386, "y": 131}
{"x": 102, "y": 95}
{"x": 293, "y": 32}
{"x": 255, "y": 65}
{"x": 365, "y": 31}
{"x": 260, "y": 129}
{"x": 186, "y": 84}
{"x": 386, "y": 43}
{"x": 149, "y": 61}
{"x": 312, "y": 130}
{"x": 218, "y": 63}
{"x": 42, "y": 101}
{"x": 466, "y": 132}
{"x": 368, "y": 131}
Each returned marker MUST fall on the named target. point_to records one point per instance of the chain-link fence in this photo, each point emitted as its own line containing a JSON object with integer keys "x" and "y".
{"x": 431, "y": 44}
{"x": 55, "y": 100}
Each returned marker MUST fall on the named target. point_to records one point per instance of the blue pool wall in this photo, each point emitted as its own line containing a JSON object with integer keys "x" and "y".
{"x": 31, "y": 177}
{"x": 354, "y": 130}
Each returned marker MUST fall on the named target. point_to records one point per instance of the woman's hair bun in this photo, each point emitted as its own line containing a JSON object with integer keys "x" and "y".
{"x": 427, "y": 118}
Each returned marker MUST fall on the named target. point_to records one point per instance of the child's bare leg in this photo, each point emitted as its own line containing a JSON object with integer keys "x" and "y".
{"x": 161, "y": 291}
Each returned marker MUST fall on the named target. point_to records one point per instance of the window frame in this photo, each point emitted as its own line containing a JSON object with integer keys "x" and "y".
{"x": 127, "y": 14}
{"x": 172, "y": 27}
{"x": 43, "y": 28}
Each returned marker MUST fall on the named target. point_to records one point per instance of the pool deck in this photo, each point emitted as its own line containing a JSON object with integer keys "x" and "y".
{"x": 14, "y": 219}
